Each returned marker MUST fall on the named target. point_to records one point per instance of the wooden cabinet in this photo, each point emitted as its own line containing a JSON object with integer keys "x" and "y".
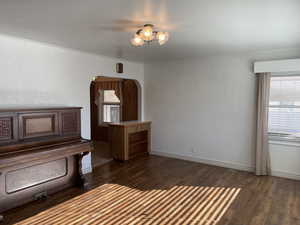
{"x": 130, "y": 139}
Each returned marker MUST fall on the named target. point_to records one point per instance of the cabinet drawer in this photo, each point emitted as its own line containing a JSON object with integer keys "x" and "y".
{"x": 138, "y": 137}
{"x": 138, "y": 149}
{"x": 138, "y": 143}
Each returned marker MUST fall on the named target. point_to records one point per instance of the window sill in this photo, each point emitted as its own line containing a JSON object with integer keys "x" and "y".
{"x": 285, "y": 143}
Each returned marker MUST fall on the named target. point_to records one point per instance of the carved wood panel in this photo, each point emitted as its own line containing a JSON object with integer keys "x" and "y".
{"x": 70, "y": 122}
{"x": 29, "y": 176}
{"x": 38, "y": 125}
{"x": 6, "y": 128}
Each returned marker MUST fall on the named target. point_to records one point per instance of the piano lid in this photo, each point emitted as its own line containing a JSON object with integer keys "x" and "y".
{"x": 30, "y": 108}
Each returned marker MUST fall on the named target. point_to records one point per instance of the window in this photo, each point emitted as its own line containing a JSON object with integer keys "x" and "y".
{"x": 109, "y": 107}
{"x": 284, "y": 107}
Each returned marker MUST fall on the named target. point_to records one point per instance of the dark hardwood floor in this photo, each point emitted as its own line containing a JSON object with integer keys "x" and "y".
{"x": 101, "y": 153}
{"x": 158, "y": 190}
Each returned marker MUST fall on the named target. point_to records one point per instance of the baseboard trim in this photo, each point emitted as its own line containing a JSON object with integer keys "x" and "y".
{"x": 230, "y": 165}
{"x": 284, "y": 174}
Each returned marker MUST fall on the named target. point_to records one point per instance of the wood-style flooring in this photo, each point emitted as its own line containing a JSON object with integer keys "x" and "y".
{"x": 159, "y": 190}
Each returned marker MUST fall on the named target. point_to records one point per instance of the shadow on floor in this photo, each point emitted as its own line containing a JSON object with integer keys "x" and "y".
{"x": 101, "y": 153}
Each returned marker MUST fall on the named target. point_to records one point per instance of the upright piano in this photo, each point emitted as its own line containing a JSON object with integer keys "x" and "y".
{"x": 41, "y": 152}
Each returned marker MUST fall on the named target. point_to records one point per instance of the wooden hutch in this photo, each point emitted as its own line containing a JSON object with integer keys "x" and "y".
{"x": 130, "y": 139}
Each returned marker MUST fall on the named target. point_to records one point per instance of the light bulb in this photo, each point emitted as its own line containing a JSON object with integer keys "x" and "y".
{"x": 147, "y": 32}
{"x": 137, "y": 40}
{"x": 162, "y": 37}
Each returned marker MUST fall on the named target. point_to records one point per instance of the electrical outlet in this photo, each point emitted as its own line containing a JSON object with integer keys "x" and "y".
{"x": 193, "y": 150}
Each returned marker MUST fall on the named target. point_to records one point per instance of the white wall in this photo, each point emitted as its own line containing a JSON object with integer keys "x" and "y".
{"x": 218, "y": 93}
{"x": 205, "y": 110}
{"x": 285, "y": 159}
{"x": 33, "y": 73}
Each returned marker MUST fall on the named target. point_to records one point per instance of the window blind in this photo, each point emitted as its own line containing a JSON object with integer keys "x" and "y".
{"x": 284, "y": 108}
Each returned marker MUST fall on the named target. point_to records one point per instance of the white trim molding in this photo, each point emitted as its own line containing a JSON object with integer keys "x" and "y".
{"x": 284, "y": 174}
{"x": 290, "y": 66}
{"x": 230, "y": 165}
{"x": 213, "y": 162}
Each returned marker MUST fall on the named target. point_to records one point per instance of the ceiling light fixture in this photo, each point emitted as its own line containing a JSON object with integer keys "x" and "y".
{"x": 147, "y": 34}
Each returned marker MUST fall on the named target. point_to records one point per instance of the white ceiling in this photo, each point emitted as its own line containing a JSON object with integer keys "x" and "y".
{"x": 197, "y": 27}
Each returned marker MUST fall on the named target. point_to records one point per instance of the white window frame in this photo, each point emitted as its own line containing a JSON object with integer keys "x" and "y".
{"x": 101, "y": 107}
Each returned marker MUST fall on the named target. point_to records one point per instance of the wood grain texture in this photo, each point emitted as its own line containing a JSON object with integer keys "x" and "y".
{"x": 130, "y": 100}
{"x": 27, "y": 125}
{"x": 159, "y": 190}
{"x": 29, "y": 176}
{"x": 70, "y": 122}
{"x": 53, "y": 151}
{"x": 38, "y": 138}
{"x": 130, "y": 139}
{"x": 39, "y": 125}
{"x": 6, "y": 128}
{"x": 31, "y": 109}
